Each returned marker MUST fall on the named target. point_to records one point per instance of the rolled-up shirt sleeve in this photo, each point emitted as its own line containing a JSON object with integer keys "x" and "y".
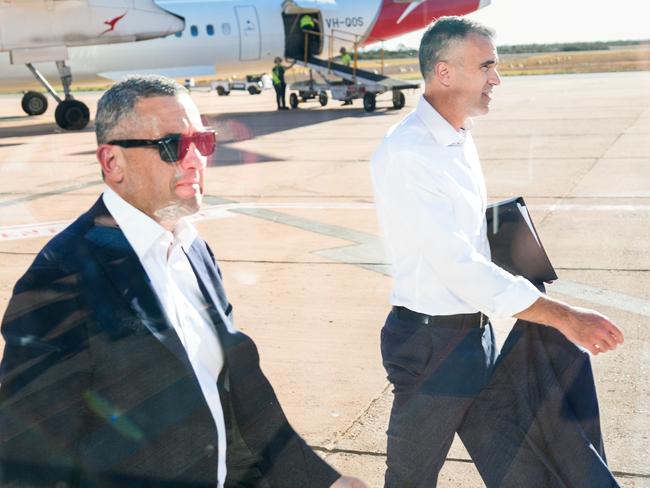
{"x": 445, "y": 219}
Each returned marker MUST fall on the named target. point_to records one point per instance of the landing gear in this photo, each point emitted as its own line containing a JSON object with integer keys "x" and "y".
{"x": 70, "y": 114}
{"x": 34, "y": 103}
{"x": 322, "y": 98}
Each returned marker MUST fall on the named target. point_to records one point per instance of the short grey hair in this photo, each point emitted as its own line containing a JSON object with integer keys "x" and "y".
{"x": 441, "y": 34}
{"x": 118, "y": 102}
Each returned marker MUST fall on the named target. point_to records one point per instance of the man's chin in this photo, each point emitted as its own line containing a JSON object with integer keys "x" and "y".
{"x": 174, "y": 211}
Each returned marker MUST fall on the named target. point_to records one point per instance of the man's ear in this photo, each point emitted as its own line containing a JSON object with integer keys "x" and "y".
{"x": 442, "y": 72}
{"x": 109, "y": 158}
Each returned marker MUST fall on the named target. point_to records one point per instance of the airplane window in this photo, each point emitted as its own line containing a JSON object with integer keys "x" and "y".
{"x": 194, "y": 30}
{"x": 225, "y": 28}
{"x": 210, "y": 29}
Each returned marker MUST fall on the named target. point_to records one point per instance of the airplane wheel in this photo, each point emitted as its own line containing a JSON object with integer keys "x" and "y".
{"x": 322, "y": 98}
{"x": 34, "y": 103}
{"x": 221, "y": 91}
{"x": 369, "y": 102}
{"x": 72, "y": 115}
{"x": 293, "y": 100}
{"x": 253, "y": 90}
{"x": 399, "y": 100}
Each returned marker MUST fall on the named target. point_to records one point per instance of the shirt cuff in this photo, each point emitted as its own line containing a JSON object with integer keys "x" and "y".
{"x": 519, "y": 295}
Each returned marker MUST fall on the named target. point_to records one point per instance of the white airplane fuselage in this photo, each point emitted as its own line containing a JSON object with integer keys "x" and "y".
{"x": 221, "y": 37}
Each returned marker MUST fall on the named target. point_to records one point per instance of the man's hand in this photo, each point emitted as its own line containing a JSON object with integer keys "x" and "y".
{"x": 591, "y": 330}
{"x": 584, "y": 327}
{"x": 348, "y": 482}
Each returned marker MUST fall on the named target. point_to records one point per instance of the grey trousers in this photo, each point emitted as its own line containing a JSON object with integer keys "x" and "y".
{"x": 529, "y": 420}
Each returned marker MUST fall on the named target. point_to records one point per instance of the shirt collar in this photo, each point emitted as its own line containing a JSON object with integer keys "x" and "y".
{"x": 441, "y": 130}
{"x": 142, "y": 231}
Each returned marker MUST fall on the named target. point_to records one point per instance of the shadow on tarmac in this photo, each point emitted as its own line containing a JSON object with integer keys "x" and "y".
{"x": 232, "y": 127}
{"x": 242, "y": 126}
{"x": 38, "y": 130}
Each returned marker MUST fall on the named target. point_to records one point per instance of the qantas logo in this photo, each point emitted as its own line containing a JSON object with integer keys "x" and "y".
{"x": 412, "y": 6}
{"x": 112, "y": 23}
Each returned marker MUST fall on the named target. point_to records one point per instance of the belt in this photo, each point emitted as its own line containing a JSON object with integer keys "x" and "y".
{"x": 462, "y": 320}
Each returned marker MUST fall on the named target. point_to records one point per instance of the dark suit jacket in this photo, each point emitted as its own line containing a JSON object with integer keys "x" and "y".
{"x": 96, "y": 388}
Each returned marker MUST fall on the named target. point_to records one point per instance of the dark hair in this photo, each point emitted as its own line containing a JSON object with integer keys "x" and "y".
{"x": 118, "y": 102}
{"x": 441, "y": 34}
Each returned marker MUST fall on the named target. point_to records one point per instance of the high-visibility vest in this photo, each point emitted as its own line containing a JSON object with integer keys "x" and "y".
{"x": 306, "y": 21}
{"x": 275, "y": 75}
{"x": 346, "y": 59}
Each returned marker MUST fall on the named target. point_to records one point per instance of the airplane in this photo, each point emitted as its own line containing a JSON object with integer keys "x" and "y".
{"x": 44, "y": 39}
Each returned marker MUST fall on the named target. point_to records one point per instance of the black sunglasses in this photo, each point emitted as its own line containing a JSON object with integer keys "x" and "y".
{"x": 174, "y": 147}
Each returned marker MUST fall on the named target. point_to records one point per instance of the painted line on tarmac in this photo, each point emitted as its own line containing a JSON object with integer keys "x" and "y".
{"x": 38, "y": 196}
{"x": 599, "y": 296}
{"x": 31, "y": 231}
{"x": 223, "y": 210}
{"x": 366, "y": 251}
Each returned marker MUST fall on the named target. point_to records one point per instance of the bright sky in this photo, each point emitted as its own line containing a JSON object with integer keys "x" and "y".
{"x": 550, "y": 21}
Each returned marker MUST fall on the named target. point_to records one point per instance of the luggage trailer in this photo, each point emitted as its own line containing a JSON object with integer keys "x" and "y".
{"x": 355, "y": 84}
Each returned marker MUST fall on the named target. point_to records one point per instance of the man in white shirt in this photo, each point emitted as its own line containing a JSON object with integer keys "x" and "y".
{"x": 122, "y": 367}
{"x": 437, "y": 344}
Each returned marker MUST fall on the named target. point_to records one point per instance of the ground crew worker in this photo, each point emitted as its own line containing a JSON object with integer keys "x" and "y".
{"x": 307, "y": 22}
{"x": 346, "y": 59}
{"x": 309, "y": 25}
{"x": 280, "y": 86}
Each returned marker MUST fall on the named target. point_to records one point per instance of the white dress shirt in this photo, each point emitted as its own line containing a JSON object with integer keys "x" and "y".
{"x": 431, "y": 200}
{"x": 163, "y": 258}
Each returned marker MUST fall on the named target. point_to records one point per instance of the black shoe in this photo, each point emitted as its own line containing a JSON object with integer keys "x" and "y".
{"x": 284, "y": 108}
{"x": 347, "y": 102}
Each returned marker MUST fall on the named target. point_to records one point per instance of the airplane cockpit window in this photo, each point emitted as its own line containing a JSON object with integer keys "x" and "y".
{"x": 210, "y": 29}
{"x": 194, "y": 30}
{"x": 225, "y": 28}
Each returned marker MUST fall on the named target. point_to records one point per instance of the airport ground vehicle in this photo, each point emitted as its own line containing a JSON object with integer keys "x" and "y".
{"x": 252, "y": 84}
{"x": 349, "y": 82}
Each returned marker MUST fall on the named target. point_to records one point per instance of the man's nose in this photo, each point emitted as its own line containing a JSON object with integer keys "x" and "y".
{"x": 495, "y": 79}
{"x": 193, "y": 159}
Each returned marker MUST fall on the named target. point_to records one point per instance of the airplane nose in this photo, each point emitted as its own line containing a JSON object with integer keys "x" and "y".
{"x": 177, "y": 23}
{"x": 155, "y": 21}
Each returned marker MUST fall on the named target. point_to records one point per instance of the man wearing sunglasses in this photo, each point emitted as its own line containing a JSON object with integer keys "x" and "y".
{"x": 122, "y": 367}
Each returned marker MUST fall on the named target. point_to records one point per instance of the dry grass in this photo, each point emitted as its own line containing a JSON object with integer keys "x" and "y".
{"x": 629, "y": 58}
{"x": 624, "y": 59}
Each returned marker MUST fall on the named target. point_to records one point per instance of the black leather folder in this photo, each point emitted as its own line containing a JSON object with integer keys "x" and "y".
{"x": 514, "y": 243}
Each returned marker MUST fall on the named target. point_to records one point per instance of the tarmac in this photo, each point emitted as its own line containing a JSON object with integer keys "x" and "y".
{"x": 289, "y": 213}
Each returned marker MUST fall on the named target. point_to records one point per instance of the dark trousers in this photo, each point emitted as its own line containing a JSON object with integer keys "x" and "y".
{"x": 534, "y": 424}
{"x": 280, "y": 91}
{"x": 436, "y": 371}
{"x": 537, "y": 423}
